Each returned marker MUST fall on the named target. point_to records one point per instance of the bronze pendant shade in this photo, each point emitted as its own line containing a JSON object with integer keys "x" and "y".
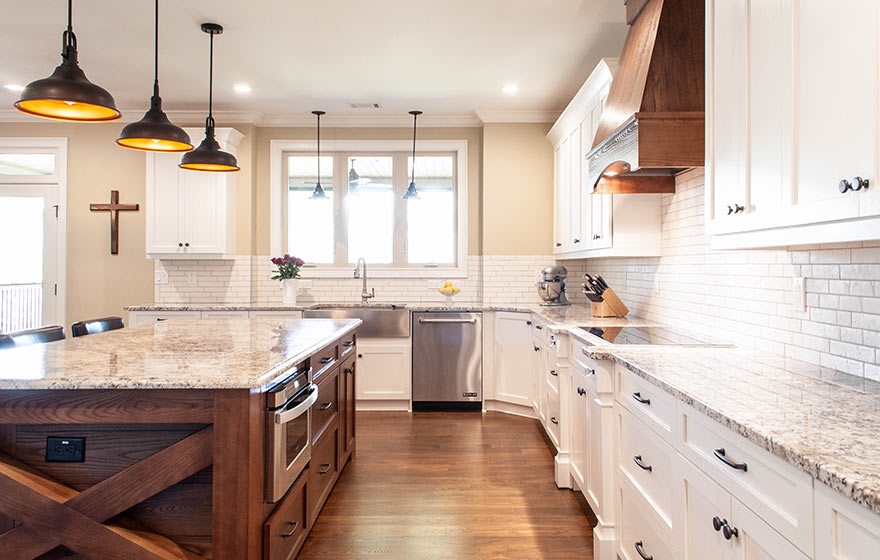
{"x": 208, "y": 156}
{"x": 68, "y": 95}
{"x": 154, "y": 132}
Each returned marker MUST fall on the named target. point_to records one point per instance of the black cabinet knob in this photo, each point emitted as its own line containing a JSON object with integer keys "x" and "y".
{"x": 576, "y": 240}
{"x": 844, "y": 186}
{"x": 186, "y": 244}
{"x": 558, "y": 244}
{"x": 738, "y": 208}
{"x": 729, "y": 210}
{"x": 859, "y": 183}
{"x": 597, "y": 236}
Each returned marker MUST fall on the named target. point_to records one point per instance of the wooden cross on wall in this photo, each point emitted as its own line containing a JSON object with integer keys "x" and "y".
{"x": 114, "y": 208}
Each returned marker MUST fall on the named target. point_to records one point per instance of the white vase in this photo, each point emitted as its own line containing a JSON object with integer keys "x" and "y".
{"x": 289, "y": 290}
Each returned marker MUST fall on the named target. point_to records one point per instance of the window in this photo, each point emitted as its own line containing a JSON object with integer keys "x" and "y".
{"x": 365, "y": 214}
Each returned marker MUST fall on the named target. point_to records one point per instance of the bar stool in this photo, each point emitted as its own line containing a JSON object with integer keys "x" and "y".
{"x": 6, "y": 341}
{"x": 37, "y": 336}
{"x": 94, "y": 326}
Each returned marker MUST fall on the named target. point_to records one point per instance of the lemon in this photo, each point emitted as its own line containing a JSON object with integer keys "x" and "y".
{"x": 456, "y": 290}
{"x": 448, "y": 284}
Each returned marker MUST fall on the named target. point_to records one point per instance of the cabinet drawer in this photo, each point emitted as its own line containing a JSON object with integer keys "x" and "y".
{"x": 540, "y": 330}
{"x": 650, "y": 465}
{"x": 224, "y": 314}
{"x": 326, "y": 408}
{"x": 551, "y": 411}
{"x": 347, "y": 344}
{"x": 322, "y": 471}
{"x": 637, "y": 533}
{"x": 146, "y": 317}
{"x": 552, "y": 376}
{"x": 323, "y": 361}
{"x": 651, "y": 404}
{"x": 286, "y": 529}
{"x": 775, "y": 490}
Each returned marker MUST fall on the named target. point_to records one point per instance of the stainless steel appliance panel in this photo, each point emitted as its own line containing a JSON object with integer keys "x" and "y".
{"x": 447, "y": 357}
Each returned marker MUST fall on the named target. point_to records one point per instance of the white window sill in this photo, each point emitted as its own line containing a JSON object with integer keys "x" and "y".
{"x": 377, "y": 272}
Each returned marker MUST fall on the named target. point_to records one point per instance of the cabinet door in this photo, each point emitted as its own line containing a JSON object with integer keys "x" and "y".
{"x": 595, "y": 453}
{"x": 756, "y": 540}
{"x": 204, "y": 212}
{"x": 563, "y": 196}
{"x": 537, "y": 377}
{"x": 513, "y": 358}
{"x": 348, "y": 382}
{"x": 579, "y": 419}
{"x": 585, "y": 200}
{"x": 602, "y": 225}
{"x": 703, "y": 501}
{"x": 836, "y": 106}
{"x": 165, "y": 200}
{"x": 728, "y": 115}
{"x": 384, "y": 370}
{"x": 576, "y": 241}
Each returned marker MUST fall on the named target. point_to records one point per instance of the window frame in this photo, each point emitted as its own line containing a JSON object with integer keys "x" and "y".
{"x": 341, "y": 150}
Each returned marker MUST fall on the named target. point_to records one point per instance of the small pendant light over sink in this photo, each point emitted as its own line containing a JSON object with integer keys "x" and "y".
{"x": 411, "y": 191}
{"x": 154, "y": 132}
{"x": 208, "y": 156}
{"x": 67, "y": 95}
{"x": 319, "y": 190}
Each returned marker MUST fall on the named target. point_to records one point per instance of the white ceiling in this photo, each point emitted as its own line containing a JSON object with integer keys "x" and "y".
{"x": 448, "y": 57}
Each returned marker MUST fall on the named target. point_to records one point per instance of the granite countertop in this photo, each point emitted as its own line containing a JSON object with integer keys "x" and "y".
{"x": 196, "y": 354}
{"x": 823, "y": 422}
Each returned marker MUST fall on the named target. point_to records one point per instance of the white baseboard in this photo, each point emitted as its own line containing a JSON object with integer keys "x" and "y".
{"x": 509, "y": 408}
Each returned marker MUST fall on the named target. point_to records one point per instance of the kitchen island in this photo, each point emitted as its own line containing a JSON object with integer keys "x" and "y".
{"x": 153, "y": 441}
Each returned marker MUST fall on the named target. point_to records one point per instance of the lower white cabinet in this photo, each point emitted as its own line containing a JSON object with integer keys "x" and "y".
{"x": 579, "y": 411}
{"x": 145, "y": 317}
{"x": 384, "y": 373}
{"x": 513, "y": 358}
{"x": 844, "y": 529}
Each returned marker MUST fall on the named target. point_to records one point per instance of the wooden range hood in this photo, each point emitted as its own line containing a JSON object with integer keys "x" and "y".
{"x": 652, "y": 126}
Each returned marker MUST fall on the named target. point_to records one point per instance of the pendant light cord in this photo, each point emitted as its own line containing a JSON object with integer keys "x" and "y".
{"x": 413, "y": 178}
{"x": 156, "y": 53}
{"x": 319, "y": 148}
{"x": 209, "y": 123}
{"x": 68, "y": 39}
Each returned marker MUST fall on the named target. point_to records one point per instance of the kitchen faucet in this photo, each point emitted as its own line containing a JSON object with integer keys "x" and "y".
{"x": 365, "y": 295}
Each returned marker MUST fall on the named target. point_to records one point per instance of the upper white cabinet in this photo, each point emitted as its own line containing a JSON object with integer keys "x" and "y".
{"x": 588, "y": 224}
{"x": 791, "y": 113}
{"x": 190, "y": 214}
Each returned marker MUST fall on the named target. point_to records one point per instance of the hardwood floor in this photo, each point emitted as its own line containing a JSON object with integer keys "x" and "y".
{"x": 450, "y": 486}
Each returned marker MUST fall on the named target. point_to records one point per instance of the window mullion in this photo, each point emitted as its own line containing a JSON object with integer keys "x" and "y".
{"x": 399, "y": 181}
{"x": 340, "y": 209}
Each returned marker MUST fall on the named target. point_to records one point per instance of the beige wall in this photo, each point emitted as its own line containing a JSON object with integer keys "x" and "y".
{"x": 99, "y": 283}
{"x": 517, "y": 189}
{"x": 473, "y": 135}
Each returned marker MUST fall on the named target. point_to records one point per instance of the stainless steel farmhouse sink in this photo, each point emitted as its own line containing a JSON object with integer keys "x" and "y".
{"x": 380, "y": 321}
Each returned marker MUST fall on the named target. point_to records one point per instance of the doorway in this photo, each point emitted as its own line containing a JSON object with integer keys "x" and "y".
{"x": 32, "y": 248}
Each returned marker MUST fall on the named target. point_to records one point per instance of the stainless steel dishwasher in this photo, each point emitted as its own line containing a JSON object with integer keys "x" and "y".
{"x": 447, "y": 350}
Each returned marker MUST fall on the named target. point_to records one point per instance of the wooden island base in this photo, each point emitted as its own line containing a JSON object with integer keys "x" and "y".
{"x": 167, "y": 473}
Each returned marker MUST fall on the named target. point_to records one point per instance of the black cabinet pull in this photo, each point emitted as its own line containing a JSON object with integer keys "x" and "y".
{"x": 722, "y": 456}
{"x": 643, "y": 466}
{"x": 558, "y": 244}
{"x": 718, "y": 523}
{"x": 641, "y": 551}
{"x": 539, "y": 327}
{"x": 554, "y": 420}
{"x": 554, "y": 373}
{"x": 537, "y": 349}
{"x": 293, "y": 527}
{"x": 728, "y": 531}
{"x": 581, "y": 391}
{"x": 326, "y": 360}
{"x": 348, "y": 343}
{"x": 326, "y": 405}
{"x": 325, "y": 468}
{"x": 576, "y": 240}
{"x": 597, "y": 236}
{"x": 529, "y": 323}
{"x": 638, "y": 396}
{"x": 348, "y": 370}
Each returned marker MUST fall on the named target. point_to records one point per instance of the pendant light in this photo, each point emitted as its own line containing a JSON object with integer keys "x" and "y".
{"x": 208, "y": 156}
{"x": 154, "y": 132}
{"x": 353, "y": 179}
{"x": 411, "y": 191}
{"x": 319, "y": 190}
{"x": 67, "y": 95}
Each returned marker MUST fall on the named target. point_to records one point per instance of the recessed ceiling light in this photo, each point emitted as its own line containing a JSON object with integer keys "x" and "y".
{"x": 510, "y": 89}
{"x": 14, "y": 87}
{"x": 242, "y": 88}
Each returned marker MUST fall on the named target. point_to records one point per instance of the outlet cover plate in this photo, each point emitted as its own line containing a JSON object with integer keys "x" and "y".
{"x": 65, "y": 449}
{"x": 161, "y": 277}
{"x": 799, "y": 294}
{"x": 191, "y": 277}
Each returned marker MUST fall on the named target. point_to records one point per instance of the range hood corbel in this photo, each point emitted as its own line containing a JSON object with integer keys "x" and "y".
{"x": 653, "y": 124}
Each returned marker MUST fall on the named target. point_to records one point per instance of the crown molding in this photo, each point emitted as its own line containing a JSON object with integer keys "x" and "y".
{"x": 490, "y": 116}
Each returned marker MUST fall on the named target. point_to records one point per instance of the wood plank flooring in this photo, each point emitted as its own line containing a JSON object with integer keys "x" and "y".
{"x": 450, "y": 486}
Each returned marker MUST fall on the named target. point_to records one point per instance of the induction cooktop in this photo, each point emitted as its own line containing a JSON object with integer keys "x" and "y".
{"x": 650, "y": 336}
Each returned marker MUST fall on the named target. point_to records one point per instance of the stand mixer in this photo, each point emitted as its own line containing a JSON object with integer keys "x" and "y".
{"x": 552, "y": 286}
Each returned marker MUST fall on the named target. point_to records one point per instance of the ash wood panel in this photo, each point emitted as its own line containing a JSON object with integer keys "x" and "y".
{"x": 239, "y": 473}
{"x": 109, "y": 449}
{"x": 106, "y": 407}
{"x": 440, "y": 485}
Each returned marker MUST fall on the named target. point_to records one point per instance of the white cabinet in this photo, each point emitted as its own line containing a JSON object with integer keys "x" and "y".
{"x": 579, "y": 411}
{"x": 384, "y": 373}
{"x": 562, "y": 196}
{"x": 792, "y": 111}
{"x": 844, "y": 529}
{"x": 513, "y": 358}
{"x": 190, "y": 214}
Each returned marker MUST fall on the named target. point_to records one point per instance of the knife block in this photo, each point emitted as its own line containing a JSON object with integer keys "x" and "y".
{"x": 611, "y": 307}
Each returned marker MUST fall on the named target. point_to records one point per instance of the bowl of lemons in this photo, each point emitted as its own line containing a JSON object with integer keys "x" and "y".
{"x": 449, "y": 290}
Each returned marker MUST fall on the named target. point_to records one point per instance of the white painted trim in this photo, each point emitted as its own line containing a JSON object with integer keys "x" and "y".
{"x": 460, "y": 147}
{"x": 491, "y": 116}
{"x": 570, "y": 119}
{"x": 59, "y": 147}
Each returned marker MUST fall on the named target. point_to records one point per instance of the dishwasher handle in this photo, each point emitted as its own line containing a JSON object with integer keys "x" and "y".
{"x": 472, "y": 320}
